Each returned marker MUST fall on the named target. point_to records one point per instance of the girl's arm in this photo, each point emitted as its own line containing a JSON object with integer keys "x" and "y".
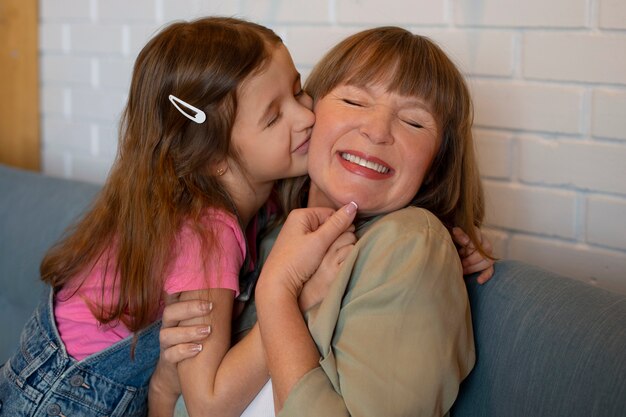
{"x": 221, "y": 380}
{"x": 176, "y": 343}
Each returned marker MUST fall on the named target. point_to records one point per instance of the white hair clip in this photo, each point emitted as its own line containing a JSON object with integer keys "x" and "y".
{"x": 199, "y": 117}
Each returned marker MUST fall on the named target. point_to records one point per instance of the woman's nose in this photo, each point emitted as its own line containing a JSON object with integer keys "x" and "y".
{"x": 376, "y": 126}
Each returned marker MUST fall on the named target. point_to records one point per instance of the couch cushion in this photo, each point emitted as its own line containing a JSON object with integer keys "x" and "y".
{"x": 34, "y": 211}
{"x": 546, "y": 346}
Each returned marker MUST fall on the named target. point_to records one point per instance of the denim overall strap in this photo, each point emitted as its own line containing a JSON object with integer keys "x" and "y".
{"x": 42, "y": 380}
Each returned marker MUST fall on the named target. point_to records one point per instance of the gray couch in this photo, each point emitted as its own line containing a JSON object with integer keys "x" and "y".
{"x": 546, "y": 345}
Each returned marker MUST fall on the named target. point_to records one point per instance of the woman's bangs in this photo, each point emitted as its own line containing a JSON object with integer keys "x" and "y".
{"x": 404, "y": 74}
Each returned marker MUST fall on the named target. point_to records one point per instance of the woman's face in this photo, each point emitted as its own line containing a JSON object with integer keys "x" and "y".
{"x": 370, "y": 146}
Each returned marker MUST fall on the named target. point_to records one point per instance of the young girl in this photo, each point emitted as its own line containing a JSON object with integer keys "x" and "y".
{"x": 215, "y": 116}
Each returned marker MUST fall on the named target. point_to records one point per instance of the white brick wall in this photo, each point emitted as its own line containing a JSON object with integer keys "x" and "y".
{"x": 548, "y": 79}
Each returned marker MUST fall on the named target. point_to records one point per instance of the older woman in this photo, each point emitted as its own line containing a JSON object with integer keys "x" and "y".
{"x": 391, "y": 334}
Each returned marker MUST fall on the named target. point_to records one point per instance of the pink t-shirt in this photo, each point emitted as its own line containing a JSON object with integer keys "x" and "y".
{"x": 81, "y": 332}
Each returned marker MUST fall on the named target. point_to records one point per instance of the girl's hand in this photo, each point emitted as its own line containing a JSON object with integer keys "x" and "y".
{"x": 316, "y": 288}
{"x": 471, "y": 259}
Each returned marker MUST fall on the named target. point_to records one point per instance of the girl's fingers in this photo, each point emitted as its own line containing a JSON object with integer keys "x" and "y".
{"x": 476, "y": 267}
{"x": 467, "y": 251}
{"x": 485, "y": 275}
{"x": 474, "y": 259}
{"x": 459, "y": 236}
{"x": 487, "y": 246}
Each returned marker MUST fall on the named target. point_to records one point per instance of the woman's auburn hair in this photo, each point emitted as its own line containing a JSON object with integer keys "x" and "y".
{"x": 164, "y": 173}
{"x": 413, "y": 65}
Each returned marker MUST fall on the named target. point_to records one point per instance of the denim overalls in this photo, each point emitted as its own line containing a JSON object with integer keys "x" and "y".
{"x": 40, "y": 379}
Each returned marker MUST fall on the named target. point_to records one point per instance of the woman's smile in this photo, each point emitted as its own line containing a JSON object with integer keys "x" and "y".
{"x": 367, "y": 166}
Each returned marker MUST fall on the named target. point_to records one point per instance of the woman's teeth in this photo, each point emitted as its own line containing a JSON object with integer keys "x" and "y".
{"x": 364, "y": 163}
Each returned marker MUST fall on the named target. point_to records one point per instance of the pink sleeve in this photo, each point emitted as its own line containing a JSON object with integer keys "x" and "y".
{"x": 218, "y": 269}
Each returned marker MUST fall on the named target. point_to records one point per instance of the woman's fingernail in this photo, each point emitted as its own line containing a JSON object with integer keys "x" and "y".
{"x": 351, "y": 208}
{"x": 196, "y": 348}
{"x": 204, "y": 330}
{"x": 206, "y": 306}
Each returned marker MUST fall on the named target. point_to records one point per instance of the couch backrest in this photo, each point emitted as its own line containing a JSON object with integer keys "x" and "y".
{"x": 34, "y": 212}
{"x": 546, "y": 345}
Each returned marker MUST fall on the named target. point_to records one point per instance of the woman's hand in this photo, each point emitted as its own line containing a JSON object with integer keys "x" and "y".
{"x": 181, "y": 342}
{"x": 301, "y": 245}
{"x": 471, "y": 259}
{"x": 316, "y": 288}
{"x": 177, "y": 343}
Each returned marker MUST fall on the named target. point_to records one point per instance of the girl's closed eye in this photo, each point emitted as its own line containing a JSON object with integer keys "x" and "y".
{"x": 272, "y": 121}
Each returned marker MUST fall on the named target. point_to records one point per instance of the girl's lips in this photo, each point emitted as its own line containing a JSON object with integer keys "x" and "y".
{"x": 303, "y": 148}
{"x": 363, "y": 165}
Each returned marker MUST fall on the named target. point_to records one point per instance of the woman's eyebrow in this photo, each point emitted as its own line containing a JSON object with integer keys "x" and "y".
{"x": 405, "y": 100}
{"x": 411, "y": 101}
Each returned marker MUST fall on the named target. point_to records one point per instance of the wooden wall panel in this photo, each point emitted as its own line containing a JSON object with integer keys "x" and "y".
{"x": 19, "y": 84}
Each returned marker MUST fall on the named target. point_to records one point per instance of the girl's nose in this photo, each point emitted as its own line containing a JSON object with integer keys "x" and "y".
{"x": 305, "y": 118}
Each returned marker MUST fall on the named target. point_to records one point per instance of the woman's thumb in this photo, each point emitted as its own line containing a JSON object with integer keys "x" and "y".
{"x": 338, "y": 222}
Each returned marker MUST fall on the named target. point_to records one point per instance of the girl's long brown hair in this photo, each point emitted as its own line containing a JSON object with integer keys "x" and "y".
{"x": 164, "y": 173}
{"x": 412, "y": 65}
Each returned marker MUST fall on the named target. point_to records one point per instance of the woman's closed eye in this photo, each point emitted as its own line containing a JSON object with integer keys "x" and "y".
{"x": 413, "y": 123}
{"x": 352, "y": 102}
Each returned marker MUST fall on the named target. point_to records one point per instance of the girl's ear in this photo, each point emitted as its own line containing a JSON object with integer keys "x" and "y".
{"x": 220, "y": 168}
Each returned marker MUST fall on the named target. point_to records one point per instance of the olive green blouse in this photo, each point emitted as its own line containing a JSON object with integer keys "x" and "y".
{"x": 394, "y": 332}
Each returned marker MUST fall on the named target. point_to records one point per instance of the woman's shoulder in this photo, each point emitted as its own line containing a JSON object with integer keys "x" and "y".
{"x": 408, "y": 221}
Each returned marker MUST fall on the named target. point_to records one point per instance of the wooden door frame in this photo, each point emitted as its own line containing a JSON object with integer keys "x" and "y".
{"x": 19, "y": 84}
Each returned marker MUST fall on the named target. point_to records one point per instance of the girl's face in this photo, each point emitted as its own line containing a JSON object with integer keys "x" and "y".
{"x": 370, "y": 146}
{"x": 273, "y": 124}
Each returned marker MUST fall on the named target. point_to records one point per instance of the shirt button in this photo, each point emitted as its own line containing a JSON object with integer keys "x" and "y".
{"x": 76, "y": 381}
{"x": 53, "y": 410}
